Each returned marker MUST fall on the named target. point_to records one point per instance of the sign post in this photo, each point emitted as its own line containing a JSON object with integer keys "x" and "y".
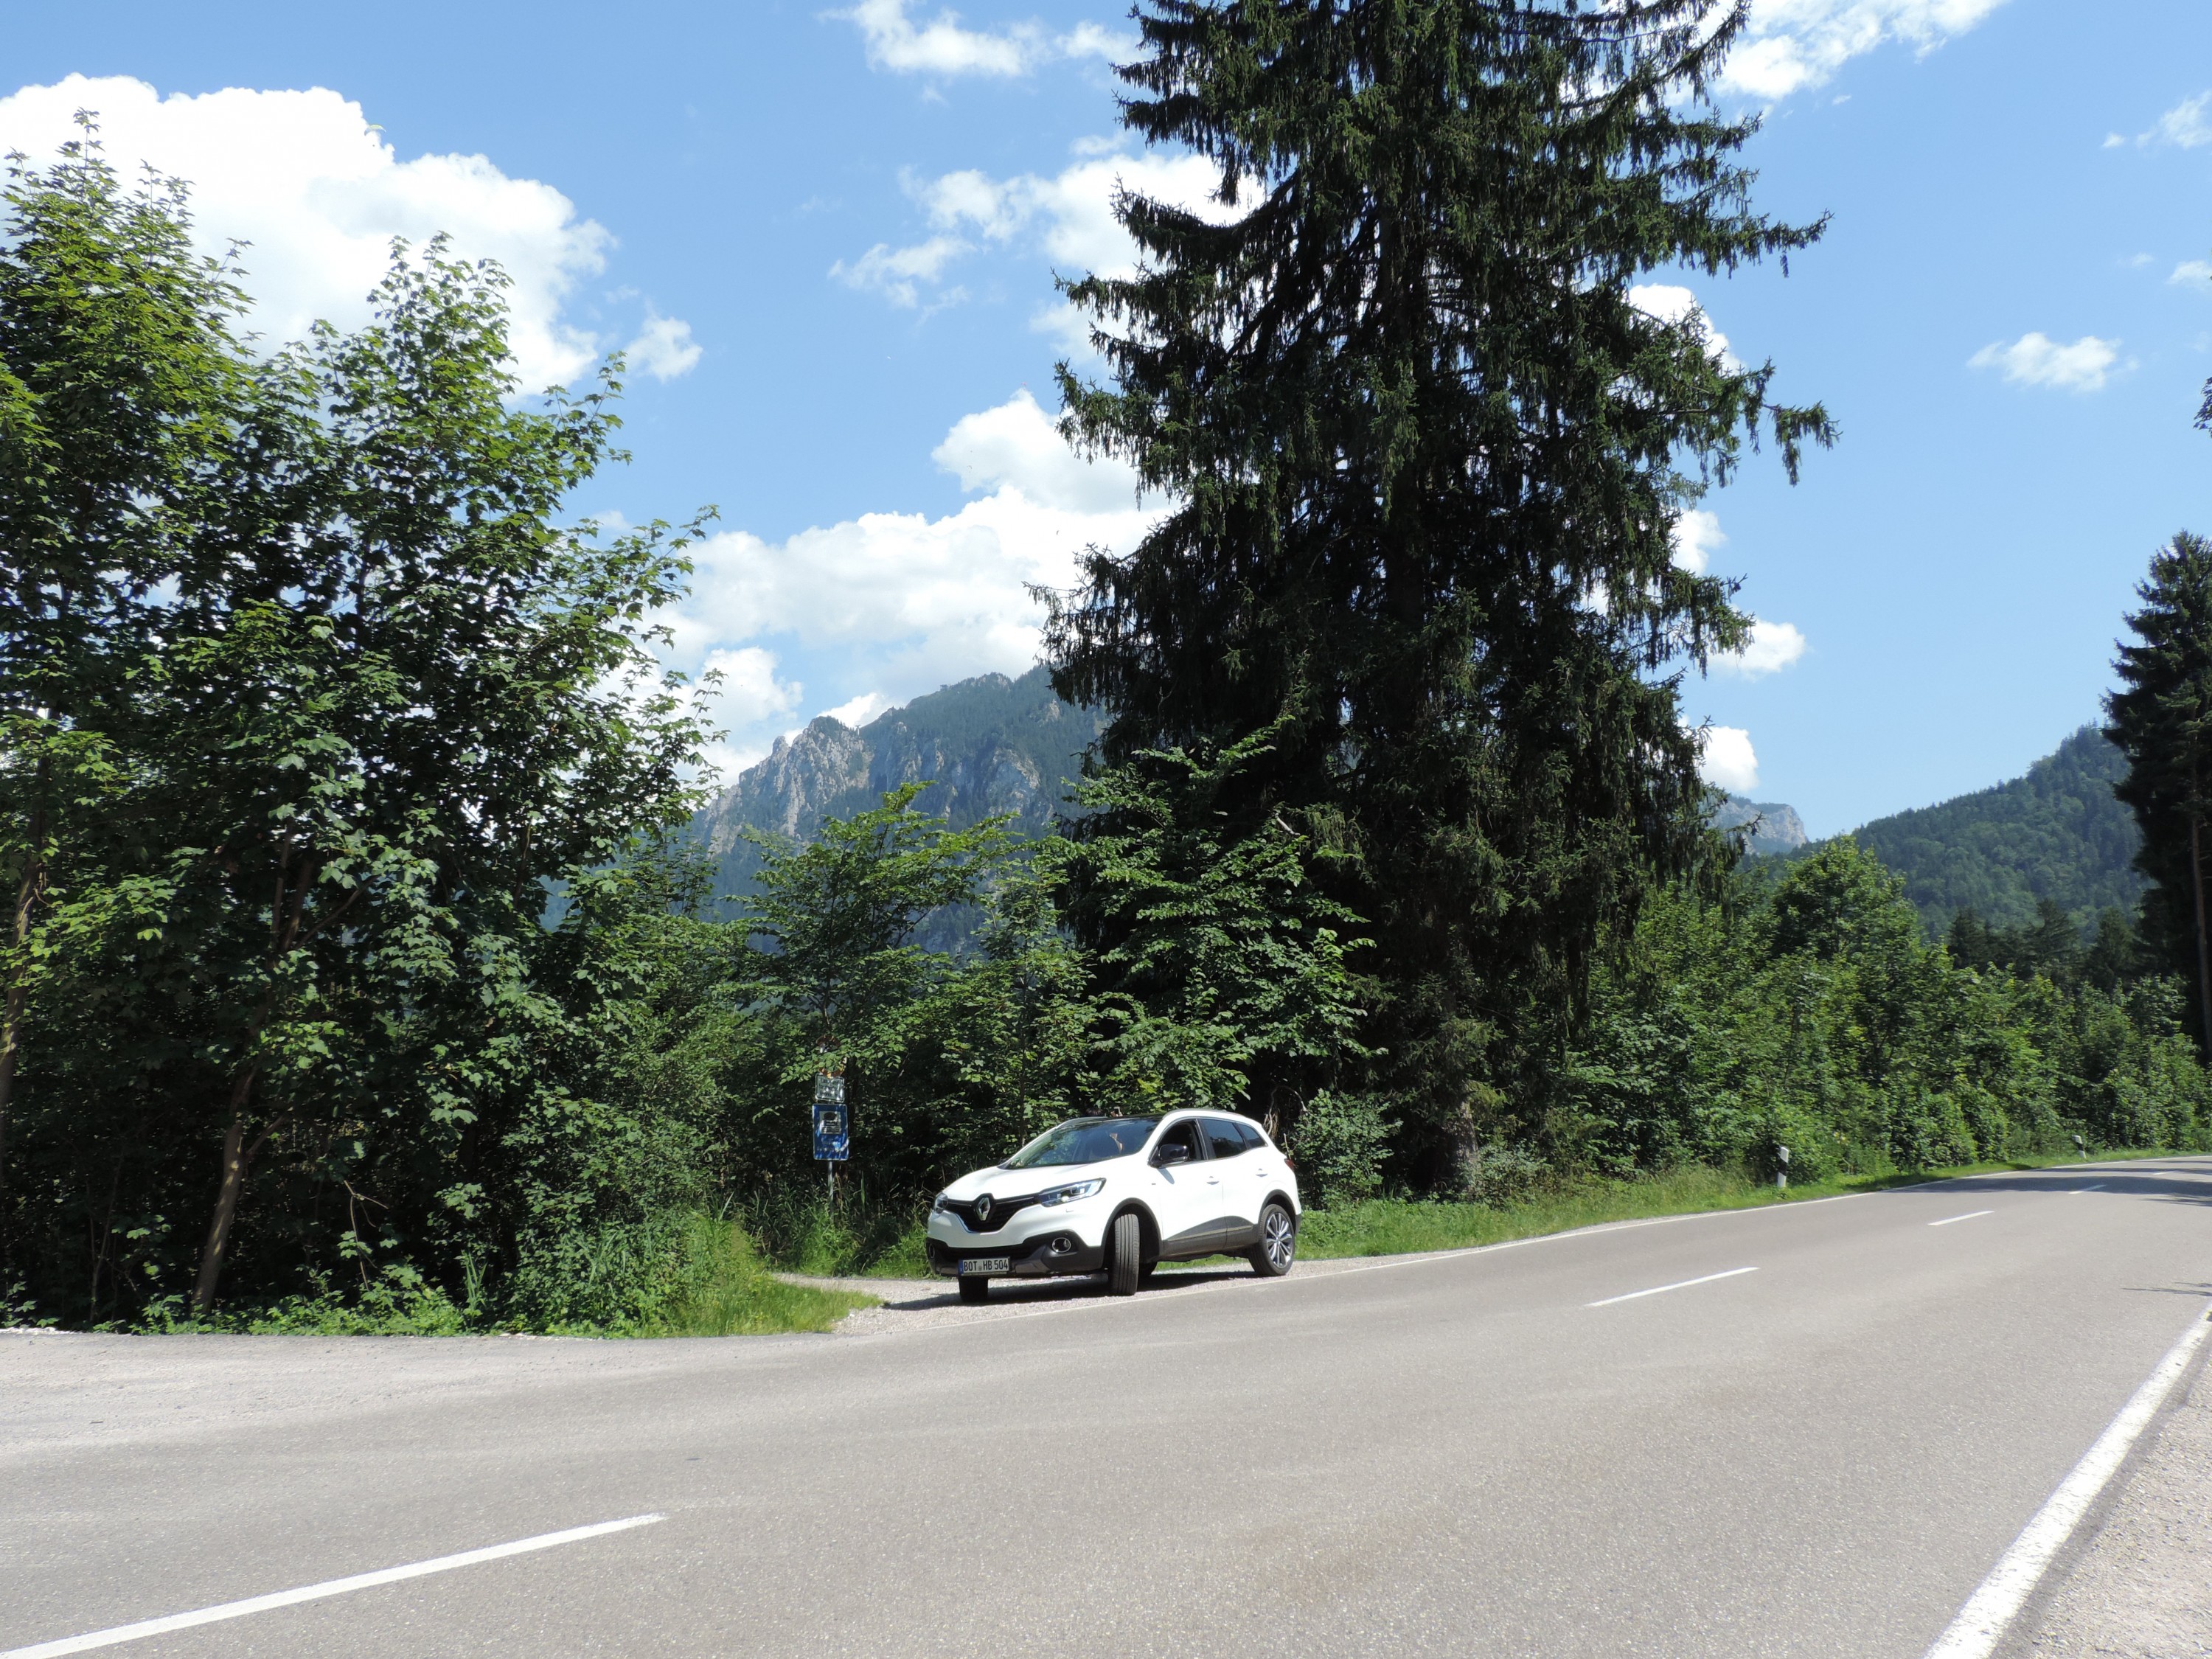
{"x": 833, "y": 1128}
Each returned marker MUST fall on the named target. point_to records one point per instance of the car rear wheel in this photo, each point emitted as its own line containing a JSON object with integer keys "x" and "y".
{"x": 1278, "y": 1248}
{"x": 1125, "y": 1255}
{"x": 974, "y": 1290}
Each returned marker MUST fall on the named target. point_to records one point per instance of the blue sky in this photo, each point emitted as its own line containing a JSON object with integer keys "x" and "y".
{"x": 827, "y": 235}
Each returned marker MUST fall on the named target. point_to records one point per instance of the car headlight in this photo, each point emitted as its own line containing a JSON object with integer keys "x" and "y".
{"x": 942, "y": 1204}
{"x": 1069, "y": 1195}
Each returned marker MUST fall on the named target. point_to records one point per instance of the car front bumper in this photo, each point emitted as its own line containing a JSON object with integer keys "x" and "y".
{"x": 1040, "y": 1244}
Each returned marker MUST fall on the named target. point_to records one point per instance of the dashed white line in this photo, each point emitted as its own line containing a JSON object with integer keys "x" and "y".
{"x": 120, "y": 1633}
{"x": 2078, "y": 1191}
{"x": 1981, "y": 1624}
{"x": 1657, "y": 1290}
{"x": 1969, "y": 1216}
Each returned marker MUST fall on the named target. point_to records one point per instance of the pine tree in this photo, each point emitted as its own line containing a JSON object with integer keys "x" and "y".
{"x": 1426, "y": 454}
{"x": 2162, "y": 721}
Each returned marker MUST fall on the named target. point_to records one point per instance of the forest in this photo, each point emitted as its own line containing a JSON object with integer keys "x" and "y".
{"x": 360, "y": 973}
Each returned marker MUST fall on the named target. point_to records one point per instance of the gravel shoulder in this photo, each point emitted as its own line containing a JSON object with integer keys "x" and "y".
{"x": 2140, "y": 1586}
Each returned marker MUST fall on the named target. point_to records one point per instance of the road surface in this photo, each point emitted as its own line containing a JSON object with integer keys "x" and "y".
{"x": 1814, "y": 1435}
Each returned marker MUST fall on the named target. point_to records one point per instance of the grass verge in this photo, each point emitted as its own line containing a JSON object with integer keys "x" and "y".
{"x": 726, "y": 1290}
{"x": 1395, "y": 1226}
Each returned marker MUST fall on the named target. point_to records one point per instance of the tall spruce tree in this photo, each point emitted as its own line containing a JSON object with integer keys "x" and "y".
{"x": 2162, "y": 721}
{"x": 1426, "y": 452}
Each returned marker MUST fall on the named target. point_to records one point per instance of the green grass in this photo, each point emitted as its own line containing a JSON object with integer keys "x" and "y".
{"x": 726, "y": 1290}
{"x": 1395, "y": 1227}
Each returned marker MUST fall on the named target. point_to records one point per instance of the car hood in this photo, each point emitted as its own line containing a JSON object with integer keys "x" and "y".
{"x": 1002, "y": 1183}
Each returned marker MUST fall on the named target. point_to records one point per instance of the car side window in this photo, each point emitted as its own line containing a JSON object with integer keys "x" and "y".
{"x": 1253, "y": 1140}
{"x": 1223, "y": 1137}
{"x": 1184, "y": 1135}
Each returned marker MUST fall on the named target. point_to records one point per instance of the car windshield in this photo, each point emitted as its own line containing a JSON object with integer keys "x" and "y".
{"x": 1084, "y": 1140}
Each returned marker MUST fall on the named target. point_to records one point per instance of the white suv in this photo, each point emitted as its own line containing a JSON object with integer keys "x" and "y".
{"x": 1120, "y": 1196}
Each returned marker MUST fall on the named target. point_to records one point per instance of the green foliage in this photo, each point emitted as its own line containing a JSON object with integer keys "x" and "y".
{"x": 2161, "y": 720}
{"x": 1340, "y": 1146}
{"x": 1807, "y": 1012}
{"x": 289, "y": 770}
{"x": 1412, "y": 423}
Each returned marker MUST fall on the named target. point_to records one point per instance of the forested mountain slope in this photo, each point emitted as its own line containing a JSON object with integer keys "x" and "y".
{"x": 987, "y": 745}
{"x": 2057, "y": 833}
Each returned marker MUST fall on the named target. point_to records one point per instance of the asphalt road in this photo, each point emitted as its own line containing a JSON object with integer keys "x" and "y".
{"x": 1450, "y": 1454}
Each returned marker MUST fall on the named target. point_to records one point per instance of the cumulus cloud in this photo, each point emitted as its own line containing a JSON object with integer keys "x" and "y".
{"x": 1697, "y": 537}
{"x": 2192, "y": 270}
{"x": 1726, "y": 760}
{"x": 304, "y": 178}
{"x": 1068, "y": 218}
{"x": 941, "y": 47}
{"x": 1792, "y": 45}
{"x": 857, "y": 712}
{"x": 897, "y": 273}
{"x": 913, "y": 601}
{"x": 2187, "y": 125}
{"x": 750, "y": 695}
{"x": 2036, "y": 359}
{"x": 665, "y": 348}
{"x": 1773, "y": 647}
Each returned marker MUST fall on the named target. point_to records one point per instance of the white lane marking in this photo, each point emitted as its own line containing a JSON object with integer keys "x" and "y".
{"x": 1974, "y": 1634}
{"x": 1680, "y": 1284}
{"x": 108, "y": 1639}
{"x": 2098, "y": 1188}
{"x": 1969, "y": 1216}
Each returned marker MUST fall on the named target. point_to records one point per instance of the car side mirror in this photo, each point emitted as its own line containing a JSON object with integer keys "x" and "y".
{"x": 1174, "y": 1152}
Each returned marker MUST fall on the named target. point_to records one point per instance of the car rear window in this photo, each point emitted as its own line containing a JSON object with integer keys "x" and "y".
{"x": 1224, "y": 1137}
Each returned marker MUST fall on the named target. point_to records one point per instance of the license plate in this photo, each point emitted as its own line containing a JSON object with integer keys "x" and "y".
{"x": 987, "y": 1264}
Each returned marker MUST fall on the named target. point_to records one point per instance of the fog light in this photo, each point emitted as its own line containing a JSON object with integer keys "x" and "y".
{"x": 1063, "y": 1245}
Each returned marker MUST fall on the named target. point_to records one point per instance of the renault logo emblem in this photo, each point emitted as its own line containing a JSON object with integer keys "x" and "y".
{"x": 983, "y": 1207}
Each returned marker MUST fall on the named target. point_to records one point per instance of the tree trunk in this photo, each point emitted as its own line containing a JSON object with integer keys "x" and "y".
{"x": 2204, "y": 949}
{"x": 235, "y": 1159}
{"x": 19, "y": 977}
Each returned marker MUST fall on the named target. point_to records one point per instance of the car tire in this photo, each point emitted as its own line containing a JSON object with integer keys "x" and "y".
{"x": 974, "y": 1290}
{"x": 1271, "y": 1258}
{"x": 1125, "y": 1267}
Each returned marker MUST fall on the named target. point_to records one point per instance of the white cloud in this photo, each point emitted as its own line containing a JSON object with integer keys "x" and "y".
{"x": 665, "y": 348}
{"x": 1068, "y": 218}
{"x": 911, "y": 601}
{"x": 2192, "y": 270}
{"x": 2187, "y": 125}
{"x": 1670, "y": 303}
{"x": 305, "y": 179}
{"x": 1726, "y": 759}
{"x": 750, "y": 696}
{"x": 1017, "y": 447}
{"x": 1771, "y": 648}
{"x": 1697, "y": 537}
{"x": 941, "y": 47}
{"x": 897, "y": 273}
{"x": 1791, "y": 45}
{"x": 857, "y": 712}
{"x": 2035, "y": 358}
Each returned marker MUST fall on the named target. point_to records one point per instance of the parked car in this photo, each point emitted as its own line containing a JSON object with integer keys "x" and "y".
{"x": 1120, "y": 1196}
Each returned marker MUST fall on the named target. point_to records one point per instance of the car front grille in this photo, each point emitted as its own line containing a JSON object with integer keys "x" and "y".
{"x": 1003, "y": 1210}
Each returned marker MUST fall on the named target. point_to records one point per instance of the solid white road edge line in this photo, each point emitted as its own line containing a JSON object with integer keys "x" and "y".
{"x": 108, "y": 1639}
{"x": 1679, "y": 1285}
{"x": 1974, "y": 1634}
{"x": 1969, "y": 1216}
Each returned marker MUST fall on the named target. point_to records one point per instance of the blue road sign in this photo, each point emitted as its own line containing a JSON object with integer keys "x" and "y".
{"x": 832, "y": 1130}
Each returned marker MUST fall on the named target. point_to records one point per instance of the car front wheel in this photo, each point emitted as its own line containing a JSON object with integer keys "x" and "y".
{"x": 1124, "y": 1256}
{"x": 1278, "y": 1248}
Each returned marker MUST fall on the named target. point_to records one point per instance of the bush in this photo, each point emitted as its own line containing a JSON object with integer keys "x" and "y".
{"x": 1924, "y": 1129}
{"x": 1338, "y": 1147}
{"x": 1500, "y": 1174}
{"x": 1815, "y": 1154}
